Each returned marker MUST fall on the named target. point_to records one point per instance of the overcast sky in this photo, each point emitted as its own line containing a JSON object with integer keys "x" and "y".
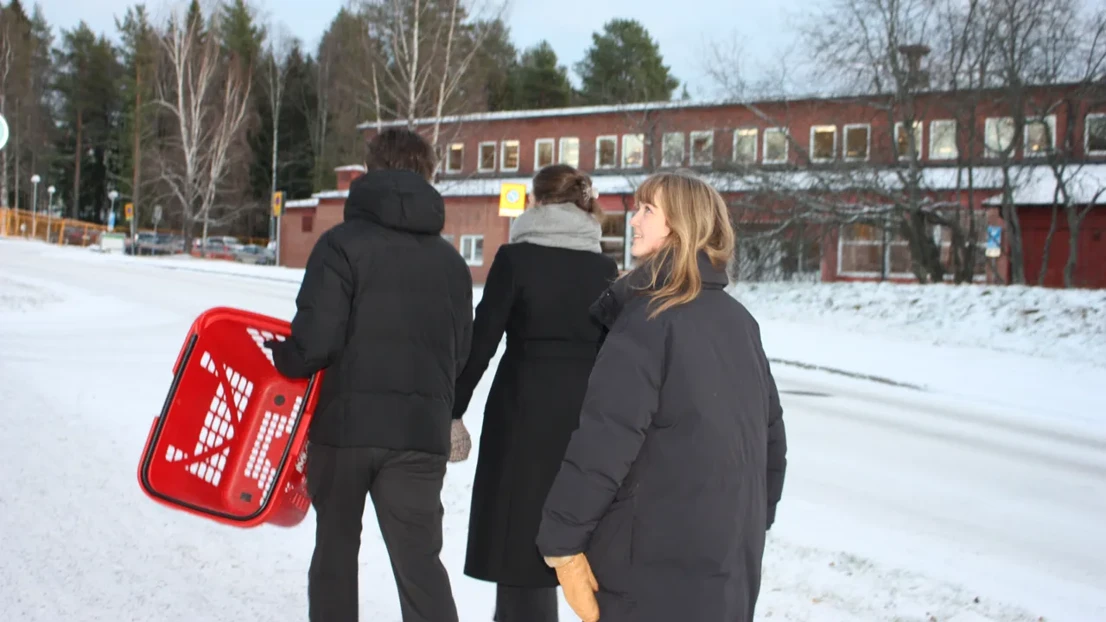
{"x": 683, "y": 28}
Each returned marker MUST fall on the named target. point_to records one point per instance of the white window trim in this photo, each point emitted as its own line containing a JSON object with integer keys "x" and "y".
{"x": 756, "y": 135}
{"x": 461, "y": 248}
{"x": 598, "y": 139}
{"x": 624, "y": 138}
{"x": 665, "y": 163}
{"x": 786, "y": 145}
{"x": 919, "y": 142}
{"x": 987, "y": 151}
{"x": 815, "y": 128}
{"x": 480, "y": 156}
{"x": 561, "y": 151}
{"x": 933, "y": 134}
{"x": 503, "y": 155}
{"x": 552, "y": 142}
{"x": 845, "y": 142}
{"x": 1087, "y": 134}
{"x": 709, "y": 135}
{"x": 448, "y": 158}
{"x": 1050, "y": 121}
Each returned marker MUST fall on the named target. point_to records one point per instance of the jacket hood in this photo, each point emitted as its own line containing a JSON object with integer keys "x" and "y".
{"x": 400, "y": 200}
{"x": 609, "y": 306}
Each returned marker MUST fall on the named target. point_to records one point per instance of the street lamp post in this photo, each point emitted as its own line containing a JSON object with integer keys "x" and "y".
{"x": 34, "y": 202}
{"x": 50, "y": 213}
{"x": 111, "y": 218}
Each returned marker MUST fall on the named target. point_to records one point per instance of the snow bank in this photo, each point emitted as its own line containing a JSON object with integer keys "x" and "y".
{"x": 1067, "y": 325}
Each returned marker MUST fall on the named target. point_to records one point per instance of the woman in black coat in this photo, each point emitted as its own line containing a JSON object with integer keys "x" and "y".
{"x": 660, "y": 509}
{"x": 538, "y": 291}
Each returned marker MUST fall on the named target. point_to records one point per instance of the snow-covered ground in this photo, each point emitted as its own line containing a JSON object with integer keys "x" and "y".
{"x": 979, "y": 496}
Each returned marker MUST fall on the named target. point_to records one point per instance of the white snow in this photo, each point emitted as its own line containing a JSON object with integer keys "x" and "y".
{"x": 978, "y": 498}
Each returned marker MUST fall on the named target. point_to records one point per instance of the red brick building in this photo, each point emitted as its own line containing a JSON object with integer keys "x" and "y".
{"x": 776, "y": 159}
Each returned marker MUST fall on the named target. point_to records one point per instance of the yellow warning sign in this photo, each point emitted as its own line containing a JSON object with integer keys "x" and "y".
{"x": 278, "y": 203}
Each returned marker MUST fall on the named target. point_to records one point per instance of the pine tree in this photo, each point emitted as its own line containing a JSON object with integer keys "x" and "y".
{"x": 542, "y": 82}
{"x": 624, "y": 65}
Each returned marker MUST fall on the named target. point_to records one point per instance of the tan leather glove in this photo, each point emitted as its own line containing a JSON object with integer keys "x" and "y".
{"x": 460, "y": 443}
{"x": 578, "y": 583}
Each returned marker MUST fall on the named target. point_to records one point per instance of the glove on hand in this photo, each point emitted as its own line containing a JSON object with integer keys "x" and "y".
{"x": 578, "y": 583}
{"x": 460, "y": 442}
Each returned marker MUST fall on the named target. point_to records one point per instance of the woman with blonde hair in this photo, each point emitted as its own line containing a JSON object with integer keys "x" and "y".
{"x": 661, "y": 504}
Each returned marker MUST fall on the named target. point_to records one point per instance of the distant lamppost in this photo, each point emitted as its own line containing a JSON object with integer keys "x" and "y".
{"x": 35, "y": 179}
{"x": 111, "y": 217}
{"x": 50, "y": 213}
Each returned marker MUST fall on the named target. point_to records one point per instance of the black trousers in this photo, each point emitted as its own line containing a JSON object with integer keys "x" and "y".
{"x": 406, "y": 491}
{"x": 525, "y": 604}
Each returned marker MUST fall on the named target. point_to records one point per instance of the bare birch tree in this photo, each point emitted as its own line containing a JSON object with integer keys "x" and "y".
{"x": 208, "y": 107}
{"x": 421, "y": 51}
{"x": 6, "y": 35}
{"x": 276, "y": 78}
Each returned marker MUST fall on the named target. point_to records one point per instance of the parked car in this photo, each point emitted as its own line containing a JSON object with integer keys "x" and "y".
{"x": 254, "y": 254}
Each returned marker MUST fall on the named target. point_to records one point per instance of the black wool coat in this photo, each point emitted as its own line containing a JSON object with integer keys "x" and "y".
{"x": 673, "y": 476}
{"x": 539, "y": 296}
{"x": 386, "y": 308}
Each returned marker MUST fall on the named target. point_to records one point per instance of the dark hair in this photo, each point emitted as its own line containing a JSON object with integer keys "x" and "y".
{"x": 560, "y": 183}
{"x": 398, "y": 148}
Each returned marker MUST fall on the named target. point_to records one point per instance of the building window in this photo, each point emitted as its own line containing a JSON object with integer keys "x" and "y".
{"x": 902, "y": 140}
{"x": 745, "y": 145}
{"x": 1094, "y": 134}
{"x": 448, "y": 238}
{"x": 570, "y": 152}
{"x": 672, "y": 148}
{"x": 775, "y": 145}
{"x": 702, "y": 148}
{"x": 1040, "y": 136}
{"x": 487, "y": 157}
{"x": 509, "y": 161}
{"x": 942, "y": 140}
{"x": 455, "y": 159}
{"x": 307, "y": 223}
{"x": 543, "y": 153}
{"x": 872, "y": 250}
{"x": 858, "y": 142}
{"x": 606, "y": 151}
{"x": 633, "y": 150}
{"x": 472, "y": 249}
{"x": 823, "y": 143}
{"x": 998, "y": 136}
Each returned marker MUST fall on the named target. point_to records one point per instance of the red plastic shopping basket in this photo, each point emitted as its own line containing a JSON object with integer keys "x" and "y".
{"x": 230, "y": 444}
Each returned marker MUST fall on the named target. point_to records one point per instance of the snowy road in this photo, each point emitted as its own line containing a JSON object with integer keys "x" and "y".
{"x": 899, "y": 504}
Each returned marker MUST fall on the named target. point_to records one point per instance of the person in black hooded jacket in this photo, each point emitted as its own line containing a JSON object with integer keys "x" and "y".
{"x": 667, "y": 488}
{"x": 385, "y": 309}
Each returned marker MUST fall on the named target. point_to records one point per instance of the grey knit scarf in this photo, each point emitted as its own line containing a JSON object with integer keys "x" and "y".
{"x": 561, "y": 225}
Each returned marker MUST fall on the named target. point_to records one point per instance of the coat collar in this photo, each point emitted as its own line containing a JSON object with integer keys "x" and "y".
{"x": 611, "y": 303}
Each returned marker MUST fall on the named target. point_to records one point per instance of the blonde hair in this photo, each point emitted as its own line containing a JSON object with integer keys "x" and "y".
{"x": 698, "y": 220}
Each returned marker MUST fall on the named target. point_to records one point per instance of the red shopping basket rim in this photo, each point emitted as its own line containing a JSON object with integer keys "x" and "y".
{"x": 148, "y": 457}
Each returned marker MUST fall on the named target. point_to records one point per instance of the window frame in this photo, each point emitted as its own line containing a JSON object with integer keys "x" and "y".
{"x": 1050, "y": 122}
{"x": 1093, "y": 116}
{"x": 665, "y": 140}
{"x": 773, "y": 131}
{"x": 472, "y": 238}
{"x": 934, "y": 154}
{"x": 641, "y": 139}
{"x": 503, "y": 145}
{"x": 552, "y": 142}
{"x": 867, "y": 127}
{"x": 449, "y": 158}
{"x": 613, "y": 138}
{"x": 561, "y": 151}
{"x": 709, "y": 135}
{"x": 996, "y": 121}
{"x": 737, "y": 133}
{"x": 919, "y": 140}
{"x": 480, "y": 156}
{"x": 813, "y": 130}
